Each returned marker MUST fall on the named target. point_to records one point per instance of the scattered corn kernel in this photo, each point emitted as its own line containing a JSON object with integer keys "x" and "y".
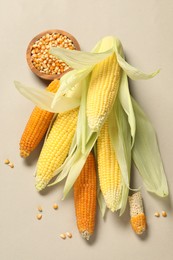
{"x": 6, "y": 161}
{"x": 40, "y": 208}
{"x": 11, "y": 165}
{"x": 63, "y": 236}
{"x": 39, "y": 216}
{"x": 40, "y": 53}
{"x": 157, "y": 214}
{"x": 164, "y": 214}
{"x": 55, "y": 206}
{"x": 69, "y": 234}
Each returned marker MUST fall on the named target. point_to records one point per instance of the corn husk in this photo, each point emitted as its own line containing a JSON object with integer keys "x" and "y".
{"x": 129, "y": 126}
{"x": 146, "y": 154}
{"x": 121, "y": 141}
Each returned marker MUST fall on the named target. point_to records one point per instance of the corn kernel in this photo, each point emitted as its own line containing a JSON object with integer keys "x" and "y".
{"x": 69, "y": 235}
{"x": 164, "y": 214}
{"x": 63, "y": 236}
{"x": 11, "y": 165}
{"x": 40, "y": 208}
{"x": 39, "y": 216}
{"x": 6, "y": 161}
{"x": 55, "y": 206}
{"x": 157, "y": 214}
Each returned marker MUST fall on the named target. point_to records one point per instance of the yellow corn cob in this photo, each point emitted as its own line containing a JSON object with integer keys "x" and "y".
{"x": 37, "y": 125}
{"x": 56, "y": 147}
{"x": 108, "y": 170}
{"x": 138, "y": 219}
{"x": 85, "y": 198}
{"x": 102, "y": 91}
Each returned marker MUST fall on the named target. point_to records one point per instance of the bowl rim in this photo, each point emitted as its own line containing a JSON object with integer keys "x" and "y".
{"x": 29, "y": 48}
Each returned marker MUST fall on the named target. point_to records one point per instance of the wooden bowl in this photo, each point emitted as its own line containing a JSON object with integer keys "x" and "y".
{"x": 29, "y": 58}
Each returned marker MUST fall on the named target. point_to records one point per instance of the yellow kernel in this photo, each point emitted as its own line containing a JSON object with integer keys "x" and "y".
{"x": 157, "y": 214}
{"x": 40, "y": 208}
{"x": 164, "y": 214}
{"x": 55, "y": 206}
{"x": 39, "y": 216}
{"x": 6, "y": 161}
{"x": 11, "y": 165}
{"x": 63, "y": 236}
{"x": 69, "y": 234}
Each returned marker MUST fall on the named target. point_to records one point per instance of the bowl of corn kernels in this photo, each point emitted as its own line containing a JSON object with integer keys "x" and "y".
{"x": 41, "y": 62}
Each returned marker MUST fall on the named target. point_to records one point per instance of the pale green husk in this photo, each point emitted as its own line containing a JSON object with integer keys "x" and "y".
{"x": 100, "y": 198}
{"x": 146, "y": 155}
{"x": 101, "y": 202}
{"x": 125, "y": 100}
{"x": 79, "y": 59}
{"x": 119, "y": 130}
{"x": 43, "y": 99}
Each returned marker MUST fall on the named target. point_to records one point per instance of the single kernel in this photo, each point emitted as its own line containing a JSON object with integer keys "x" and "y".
{"x": 40, "y": 208}
{"x": 39, "y": 216}
{"x": 164, "y": 214}
{"x": 69, "y": 234}
{"x": 6, "y": 161}
{"x": 157, "y": 214}
{"x": 55, "y": 206}
{"x": 63, "y": 236}
{"x": 11, "y": 165}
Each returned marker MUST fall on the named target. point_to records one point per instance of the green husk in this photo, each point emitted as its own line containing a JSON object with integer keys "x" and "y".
{"x": 100, "y": 198}
{"x": 82, "y": 129}
{"x": 79, "y": 59}
{"x": 43, "y": 99}
{"x": 119, "y": 130}
{"x": 132, "y": 72}
{"x": 78, "y": 165}
{"x": 125, "y": 100}
{"x": 146, "y": 155}
{"x": 101, "y": 202}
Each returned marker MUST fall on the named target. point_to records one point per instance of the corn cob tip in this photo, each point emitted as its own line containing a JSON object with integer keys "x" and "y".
{"x": 139, "y": 223}
{"x": 24, "y": 154}
{"x": 95, "y": 123}
{"x": 86, "y": 235}
{"x": 40, "y": 184}
{"x": 112, "y": 198}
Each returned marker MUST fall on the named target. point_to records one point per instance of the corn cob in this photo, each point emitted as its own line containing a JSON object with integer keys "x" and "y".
{"x": 138, "y": 219}
{"x": 102, "y": 91}
{"x": 108, "y": 170}
{"x": 37, "y": 125}
{"x": 56, "y": 147}
{"x": 85, "y": 198}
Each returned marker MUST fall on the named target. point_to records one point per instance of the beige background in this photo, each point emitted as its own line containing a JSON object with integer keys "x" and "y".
{"x": 146, "y": 31}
